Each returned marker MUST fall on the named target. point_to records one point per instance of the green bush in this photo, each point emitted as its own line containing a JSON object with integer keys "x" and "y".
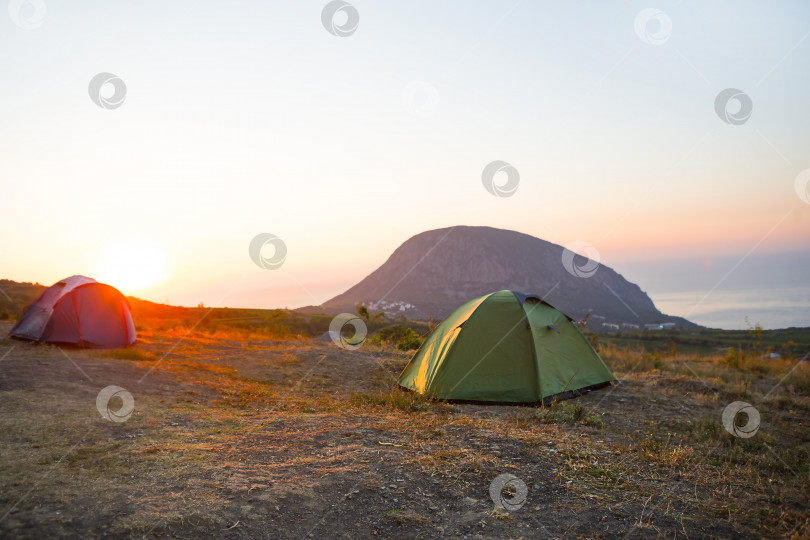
{"x": 404, "y": 337}
{"x": 410, "y": 340}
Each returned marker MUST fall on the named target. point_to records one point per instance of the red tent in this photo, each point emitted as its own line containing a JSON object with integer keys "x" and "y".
{"x": 78, "y": 311}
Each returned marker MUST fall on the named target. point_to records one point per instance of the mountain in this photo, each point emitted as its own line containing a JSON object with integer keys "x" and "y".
{"x": 434, "y": 272}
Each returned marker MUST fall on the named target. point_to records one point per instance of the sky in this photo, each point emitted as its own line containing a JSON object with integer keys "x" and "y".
{"x": 242, "y": 118}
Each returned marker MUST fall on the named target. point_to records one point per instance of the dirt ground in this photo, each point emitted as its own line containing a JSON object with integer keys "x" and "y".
{"x": 234, "y": 438}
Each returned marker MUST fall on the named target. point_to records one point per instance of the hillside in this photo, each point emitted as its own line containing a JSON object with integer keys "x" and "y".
{"x": 434, "y": 272}
{"x": 15, "y": 297}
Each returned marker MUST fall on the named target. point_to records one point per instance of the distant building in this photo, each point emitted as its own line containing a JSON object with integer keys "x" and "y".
{"x": 610, "y": 326}
{"x": 383, "y": 305}
{"x": 630, "y": 326}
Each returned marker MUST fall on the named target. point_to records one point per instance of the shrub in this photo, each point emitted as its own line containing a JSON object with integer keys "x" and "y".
{"x": 733, "y": 358}
{"x": 403, "y": 337}
{"x": 410, "y": 340}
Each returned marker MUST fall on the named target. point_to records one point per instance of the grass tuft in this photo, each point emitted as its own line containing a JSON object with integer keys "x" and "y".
{"x": 567, "y": 413}
{"x": 394, "y": 399}
{"x": 126, "y": 353}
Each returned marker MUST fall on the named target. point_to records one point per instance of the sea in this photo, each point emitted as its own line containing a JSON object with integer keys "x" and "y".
{"x": 733, "y": 292}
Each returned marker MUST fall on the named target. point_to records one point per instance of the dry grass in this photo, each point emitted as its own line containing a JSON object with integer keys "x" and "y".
{"x": 271, "y": 434}
{"x": 568, "y": 413}
{"x": 735, "y": 376}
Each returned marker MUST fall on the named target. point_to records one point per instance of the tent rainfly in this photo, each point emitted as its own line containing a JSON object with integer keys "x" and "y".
{"x": 508, "y": 347}
{"x": 78, "y": 311}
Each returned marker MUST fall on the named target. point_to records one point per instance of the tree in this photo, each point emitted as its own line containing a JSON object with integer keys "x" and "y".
{"x": 363, "y": 313}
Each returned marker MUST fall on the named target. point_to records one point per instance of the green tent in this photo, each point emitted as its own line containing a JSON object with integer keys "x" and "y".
{"x": 505, "y": 346}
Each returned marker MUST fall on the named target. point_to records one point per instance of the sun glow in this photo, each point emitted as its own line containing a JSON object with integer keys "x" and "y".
{"x": 131, "y": 266}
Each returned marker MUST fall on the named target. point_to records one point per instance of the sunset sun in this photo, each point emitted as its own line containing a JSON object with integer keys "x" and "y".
{"x": 132, "y": 266}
